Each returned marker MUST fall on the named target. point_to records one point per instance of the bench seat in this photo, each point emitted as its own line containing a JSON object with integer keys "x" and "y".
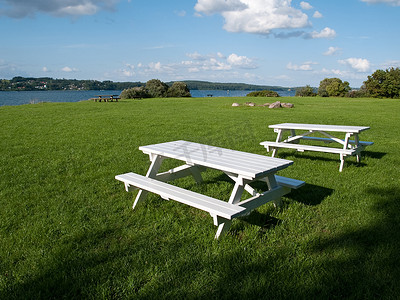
{"x": 328, "y": 140}
{"x": 289, "y": 182}
{"x": 167, "y": 191}
{"x": 301, "y": 147}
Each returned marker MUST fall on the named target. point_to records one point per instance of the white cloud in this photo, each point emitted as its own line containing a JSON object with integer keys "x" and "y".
{"x": 220, "y": 55}
{"x": 264, "y": 17}
{"x": 391, "y": 64}
{"x": 45, "y": 69}
{"x": 325, "y": 33}
{"x": 332, "y": 51}
{"x": 255, "y": 16}
{"x": 240, "y": 61}
{"x": 358, "y": 64}
{"x": 206, "y": 66}
{"x": 68, "y": 69}
{"x": 317, "y": 15}
{"x": 60, "y": 8}
{"x": 306, "y": 66}
{"x": 9, "y": 70}
{"x": 196, "y": 56}
{"x": 218, "y": 6}
{"x": 78, "y": 10}
{"x": 390, "y": 2}
{"x": 180, "y": 13}
{"x": 305, "y": 5}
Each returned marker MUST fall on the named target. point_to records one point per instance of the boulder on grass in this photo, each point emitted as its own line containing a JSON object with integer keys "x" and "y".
{"x": 250, "y": 104}
{"x": 235, "y": 104}
{"x": 276, "y": 104}
{"x": 287, "y": 105}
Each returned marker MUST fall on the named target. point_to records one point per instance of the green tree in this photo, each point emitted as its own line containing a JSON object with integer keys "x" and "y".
{"x": 333, "y": 87}
{"x": 179, "y": 89}
{"x": 305, "y": 91}
{"x": 265, "y": 93}
{"x": 384, "y": 84}
{"x": 156, "y": 88}
{"x": 135, "y": 93}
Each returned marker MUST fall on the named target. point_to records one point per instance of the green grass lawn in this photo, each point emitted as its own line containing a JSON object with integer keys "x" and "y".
{"x": 67, "y": 229}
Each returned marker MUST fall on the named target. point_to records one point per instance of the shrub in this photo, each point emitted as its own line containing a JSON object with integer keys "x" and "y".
{"x": 306, "y": 91}
{"x": 264, "y": 93}
{"x": 136, "y": 92}
{"x": 333, "y": 87}
{"x": 357, "y": 93}
{"x": 384, "y": 84}
{"x": 156, "y": 88}
{"x": 179, "y": 89}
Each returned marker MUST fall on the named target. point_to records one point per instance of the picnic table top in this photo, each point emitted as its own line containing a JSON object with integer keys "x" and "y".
{"x": 320, "y": 127}
{"x": 247, "y": 165}
{"x": 106, "y": 95}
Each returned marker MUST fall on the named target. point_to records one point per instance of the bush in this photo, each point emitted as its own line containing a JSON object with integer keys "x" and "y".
{"x": 306, "y": 91}
{"x": 384, "y": 84}
{"x": 333, "y": 87}
{"x": 264, "y": 93}
{"x": 156, "y": 88}
{"x": 179, "y": 89}
{"x": 357, "y": 93}
{"x": 136, "y": 92}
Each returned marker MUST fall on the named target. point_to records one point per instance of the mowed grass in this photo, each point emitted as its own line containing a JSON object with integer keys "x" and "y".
{"x": 67, "y": 229}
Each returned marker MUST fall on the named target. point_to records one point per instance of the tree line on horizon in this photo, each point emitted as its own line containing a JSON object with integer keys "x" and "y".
{"x": 20, "y": 83}
{"x": 381, "y": 84}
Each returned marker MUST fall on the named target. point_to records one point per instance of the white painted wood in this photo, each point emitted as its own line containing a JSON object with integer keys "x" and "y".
{"x": 180, "y": 172}
{"x": 319, "y": 127}
{"x": 223, "y": 228}
{"x": 308, "y": 148}
{"x": 350, "y": 147}
{"x": 248, "y": 165}
{"x": 243, "y": 168}
{"x": 156, "y": 161}
{"x": 265, "y": 197}
{"x": 328, "y": 140}
{"x": 289, "y": 182}
{"x": 167, "y": 191}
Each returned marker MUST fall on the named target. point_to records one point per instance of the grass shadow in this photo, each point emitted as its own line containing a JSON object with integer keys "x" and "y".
{"x": 372, "y": 253}
{"x": 310, "y": 194}
{"x": 264, "y": 221}
{"x": 375, "y": 155}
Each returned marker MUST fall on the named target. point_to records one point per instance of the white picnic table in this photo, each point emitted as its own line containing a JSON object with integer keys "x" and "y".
{"x": 242, "y": 167}
{"x": 348, "y": 147}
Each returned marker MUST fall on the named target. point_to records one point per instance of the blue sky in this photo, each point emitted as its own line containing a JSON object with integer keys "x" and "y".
{"x": 269, "y": 42}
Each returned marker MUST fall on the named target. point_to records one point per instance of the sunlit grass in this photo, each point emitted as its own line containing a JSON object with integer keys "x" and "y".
{"x": 67, "y": 229}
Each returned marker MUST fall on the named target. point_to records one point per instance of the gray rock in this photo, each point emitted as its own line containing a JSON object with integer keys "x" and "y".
{"x": 287, "y": 105}
{"x": 276, "y": 104}
{"x": 235, "y": 104}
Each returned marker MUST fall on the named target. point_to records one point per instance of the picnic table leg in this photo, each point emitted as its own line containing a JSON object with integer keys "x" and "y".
{"x": 234, "y": 198}
{"x": 341, "y": 162}
{"x": 356, "y": 145}
{"x": 345, "y": 146}
{"x": 278, "y": 139}
{"x": 156, "y": 161}
{"x": 223, "y": 228}
{"x": 293, "y": 134}
{"x": 196, "y": 174}
{"x": 271, "y": 182}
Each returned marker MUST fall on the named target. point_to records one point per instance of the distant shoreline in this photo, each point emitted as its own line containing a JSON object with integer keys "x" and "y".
{"x": 50, "y": 84}
{"x": 13, "y": 98}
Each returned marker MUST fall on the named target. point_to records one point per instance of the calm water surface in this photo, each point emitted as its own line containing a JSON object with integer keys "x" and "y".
{"x": 27, "y": 97}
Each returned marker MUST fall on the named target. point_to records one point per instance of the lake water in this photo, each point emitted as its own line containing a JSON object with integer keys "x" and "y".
{"x": 26, "y": 97}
